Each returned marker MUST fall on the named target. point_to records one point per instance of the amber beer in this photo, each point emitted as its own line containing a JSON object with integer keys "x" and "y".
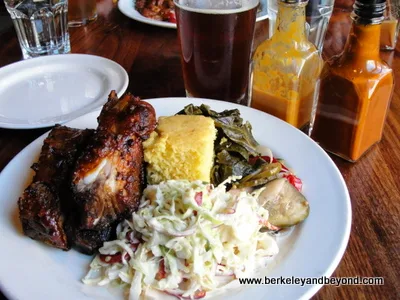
{"x": 215, "y": 50}
{"x": 81, "y": 12}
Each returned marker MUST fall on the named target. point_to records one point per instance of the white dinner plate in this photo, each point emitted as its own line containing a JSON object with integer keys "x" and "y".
{"x": 44, "y": 91}
{"x": 127, "y": 7}
{"x": 31, "y": 270}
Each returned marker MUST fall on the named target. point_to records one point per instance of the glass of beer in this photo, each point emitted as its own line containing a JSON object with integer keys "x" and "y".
{"x": 216, "y": 40}
{"x": 81, "y": 12}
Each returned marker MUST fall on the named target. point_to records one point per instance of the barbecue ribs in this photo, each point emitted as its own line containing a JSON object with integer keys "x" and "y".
{"x": 86, "y": 181}
{"x": 46, "y": 203}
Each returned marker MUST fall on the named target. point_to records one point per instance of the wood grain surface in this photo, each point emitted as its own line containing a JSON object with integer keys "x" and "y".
{"x": 150, "y": 55}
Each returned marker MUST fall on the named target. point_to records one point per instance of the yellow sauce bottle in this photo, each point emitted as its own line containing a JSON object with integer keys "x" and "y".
{"x": 286, "y": 68}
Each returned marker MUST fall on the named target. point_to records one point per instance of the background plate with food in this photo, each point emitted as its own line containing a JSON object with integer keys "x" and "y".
{"x": 128, "y": 8}
{"x": 312, "y": 249}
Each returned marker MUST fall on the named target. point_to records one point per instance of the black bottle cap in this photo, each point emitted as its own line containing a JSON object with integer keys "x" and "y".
{"x": 369, "y": 11}
{"x": 294, "y": 1}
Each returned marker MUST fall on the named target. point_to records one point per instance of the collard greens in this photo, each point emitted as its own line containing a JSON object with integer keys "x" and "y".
{"x": 234, "y": 144}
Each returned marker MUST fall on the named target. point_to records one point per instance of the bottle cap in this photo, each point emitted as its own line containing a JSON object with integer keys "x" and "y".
{"x": 369, "y": 11}
{"x": 294, "y": 1}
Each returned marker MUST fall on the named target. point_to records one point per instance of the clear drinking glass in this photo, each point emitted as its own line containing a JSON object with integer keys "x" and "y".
{"x": 81, "y": 12}
{"x": 390, "y": 25}
{"x": 41, "y": 26}
{"x": 216, "y": 39}
{"x": 318, "y": 14}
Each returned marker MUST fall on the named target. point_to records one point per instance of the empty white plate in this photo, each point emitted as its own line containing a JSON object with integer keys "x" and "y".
{"x": 44, "y": 91}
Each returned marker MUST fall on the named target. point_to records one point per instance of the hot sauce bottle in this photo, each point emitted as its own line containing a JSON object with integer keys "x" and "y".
{"x": 355, "y": 89}
{"x": 286, "y": 68}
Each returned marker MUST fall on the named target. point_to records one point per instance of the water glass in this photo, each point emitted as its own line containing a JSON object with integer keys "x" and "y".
{"x": 41, "y": 26}
{"x": 216, "y": 39}
{"x": 318, "y": 14}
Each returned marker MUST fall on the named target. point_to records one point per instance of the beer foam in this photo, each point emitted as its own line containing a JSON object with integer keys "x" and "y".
{"x": 216, "y": 7}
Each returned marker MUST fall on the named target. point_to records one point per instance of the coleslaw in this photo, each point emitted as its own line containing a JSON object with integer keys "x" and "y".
{"x": 186, "y": 239}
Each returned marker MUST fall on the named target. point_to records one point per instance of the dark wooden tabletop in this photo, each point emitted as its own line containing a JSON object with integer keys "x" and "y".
{"x": 150, "y": 55}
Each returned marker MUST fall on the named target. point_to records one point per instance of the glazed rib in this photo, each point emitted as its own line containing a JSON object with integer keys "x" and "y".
{"x": 46, "y": 203}
{"x": 41, "y": 216}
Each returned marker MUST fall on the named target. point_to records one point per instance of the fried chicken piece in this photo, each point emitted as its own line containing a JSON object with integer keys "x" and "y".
{"x": 46, "y": 203}
{"x": 108, "y": 178}
{"x": 107, "y": 185}
{"x": 127, "y": 116}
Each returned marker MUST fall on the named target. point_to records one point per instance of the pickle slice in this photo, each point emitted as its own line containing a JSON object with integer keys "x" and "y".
{"x": 286, "y": 205}
{"x": 260, "y": 177}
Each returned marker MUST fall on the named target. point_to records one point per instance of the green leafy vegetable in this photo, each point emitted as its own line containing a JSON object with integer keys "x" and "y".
{"x": 233, "y": 147}
{"x": 234, "y": 144}
{"x": 241, "y": 135}
{"x": 239, "y": 167}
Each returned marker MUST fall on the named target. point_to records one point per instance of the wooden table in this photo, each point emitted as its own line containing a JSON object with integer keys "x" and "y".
{"x": 151, "y": 57}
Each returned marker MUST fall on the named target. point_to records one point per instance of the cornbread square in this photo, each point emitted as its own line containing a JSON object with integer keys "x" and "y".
{"x": 181, "y": 147}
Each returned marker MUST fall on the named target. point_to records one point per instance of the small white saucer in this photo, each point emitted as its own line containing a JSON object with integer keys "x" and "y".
{"x": 41, "y": 92}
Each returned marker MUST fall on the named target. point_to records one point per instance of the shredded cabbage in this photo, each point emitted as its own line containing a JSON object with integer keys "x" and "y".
{"x": 184, "y": 238}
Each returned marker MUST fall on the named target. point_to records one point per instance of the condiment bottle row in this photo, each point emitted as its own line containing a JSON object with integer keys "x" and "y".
{"x": 341, "y": 103}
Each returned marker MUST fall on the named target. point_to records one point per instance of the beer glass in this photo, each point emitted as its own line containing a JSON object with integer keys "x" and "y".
{"x": 80, "y": 12}
{"x": 216, "y": 40}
